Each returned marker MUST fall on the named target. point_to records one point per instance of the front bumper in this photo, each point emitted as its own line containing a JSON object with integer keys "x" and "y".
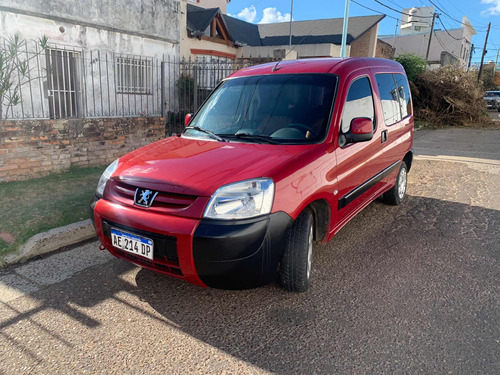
{"x": 234, "y": 254}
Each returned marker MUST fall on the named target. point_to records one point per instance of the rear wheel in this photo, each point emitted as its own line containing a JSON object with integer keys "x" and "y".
{"x": 397, "y": 193}
{"x": 295, "y": 267}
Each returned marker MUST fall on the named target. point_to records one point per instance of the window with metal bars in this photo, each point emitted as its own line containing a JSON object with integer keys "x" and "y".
{"x": 133, "y": 76}
{"x": 63, "y": 80}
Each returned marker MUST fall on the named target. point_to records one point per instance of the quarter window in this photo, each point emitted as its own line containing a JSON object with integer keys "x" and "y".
{"x": 404, "y": 94}
{"x": 359, "y": 103}
{"x": 389, "y": 98}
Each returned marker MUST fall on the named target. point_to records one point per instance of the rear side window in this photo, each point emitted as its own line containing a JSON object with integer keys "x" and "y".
{"x": 389, "y": 98}
{"x": 359, "y": 103}
{"x": 404, "y": 94}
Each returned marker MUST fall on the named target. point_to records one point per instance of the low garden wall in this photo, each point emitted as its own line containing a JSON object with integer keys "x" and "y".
{"x": 33, "y": 148}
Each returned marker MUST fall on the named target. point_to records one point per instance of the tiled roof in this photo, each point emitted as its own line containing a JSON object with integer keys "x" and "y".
{"x": 242, "y": 32}
{"x": 274, "y": 34}
{"x": 198, "y": 19}
{"x": 317, "y": 31}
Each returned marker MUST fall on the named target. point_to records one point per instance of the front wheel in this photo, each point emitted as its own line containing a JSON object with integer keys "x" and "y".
{"x": 397, "y": 193}
{"x": 295, "y": 267}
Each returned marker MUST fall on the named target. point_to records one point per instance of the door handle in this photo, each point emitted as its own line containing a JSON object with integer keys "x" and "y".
{"x": 384, "y": 136}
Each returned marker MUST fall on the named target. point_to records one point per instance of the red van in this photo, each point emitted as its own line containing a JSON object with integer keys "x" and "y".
{"x": 279, "y": 156}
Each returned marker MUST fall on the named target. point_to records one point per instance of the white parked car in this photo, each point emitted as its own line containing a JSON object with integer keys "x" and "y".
{"x": 492, "y": 99}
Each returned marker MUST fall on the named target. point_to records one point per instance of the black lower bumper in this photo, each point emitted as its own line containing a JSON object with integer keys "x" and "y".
{"x": 92, "y": 204}
{"x": 240, "y": 254}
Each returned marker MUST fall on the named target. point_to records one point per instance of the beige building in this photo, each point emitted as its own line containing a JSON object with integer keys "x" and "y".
{"x": 206, "y": 30}
{"x": 448, "y": 46}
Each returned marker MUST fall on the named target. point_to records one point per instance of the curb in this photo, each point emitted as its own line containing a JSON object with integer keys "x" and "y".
{"x": 51, "y": 240}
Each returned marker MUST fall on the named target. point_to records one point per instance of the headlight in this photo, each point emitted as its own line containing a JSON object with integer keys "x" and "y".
{"x": 241, "y": 200}
{"x": 105, "y": 177}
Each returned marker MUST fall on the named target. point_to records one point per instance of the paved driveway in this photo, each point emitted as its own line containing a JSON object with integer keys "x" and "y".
{"x": 409, "y": 289}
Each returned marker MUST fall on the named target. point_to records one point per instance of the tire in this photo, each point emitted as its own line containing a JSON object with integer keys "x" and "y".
{"x": 397, "y": 193}
{"x": 295, "y": 267}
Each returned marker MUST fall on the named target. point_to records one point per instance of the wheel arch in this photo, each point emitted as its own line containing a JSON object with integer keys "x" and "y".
{"x": 408, "y": 159}
{"x": 321, "y": 213}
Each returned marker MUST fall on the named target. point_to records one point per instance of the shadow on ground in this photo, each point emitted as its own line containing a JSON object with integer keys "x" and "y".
{"x": 413, "y": 290}
{"x": 400, "y": 289}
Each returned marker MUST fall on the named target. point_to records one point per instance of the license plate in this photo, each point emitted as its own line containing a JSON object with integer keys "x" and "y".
{"x": 132, "y": 243}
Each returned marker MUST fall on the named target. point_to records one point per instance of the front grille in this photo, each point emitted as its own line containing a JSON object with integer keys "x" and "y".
{"x": 165, "y": 256}
{"x": 164, "y": 201}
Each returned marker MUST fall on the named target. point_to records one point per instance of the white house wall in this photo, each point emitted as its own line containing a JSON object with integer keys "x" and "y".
{"x": 106, "y": 32}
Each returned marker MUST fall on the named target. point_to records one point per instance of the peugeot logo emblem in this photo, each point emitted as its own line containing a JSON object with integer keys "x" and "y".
{"x": 144, "y": 197}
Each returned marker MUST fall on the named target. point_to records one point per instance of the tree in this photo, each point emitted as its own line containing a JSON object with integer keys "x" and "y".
{"x": 413, "y": 64}
{"x": 15, "y": 69}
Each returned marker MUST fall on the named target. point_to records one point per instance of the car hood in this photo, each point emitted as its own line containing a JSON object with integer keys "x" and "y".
{"x": 199, "y": 167}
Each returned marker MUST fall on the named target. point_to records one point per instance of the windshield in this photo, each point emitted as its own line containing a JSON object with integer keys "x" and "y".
{"x": 280, "y": 108}
{"x": 493, "y": 93}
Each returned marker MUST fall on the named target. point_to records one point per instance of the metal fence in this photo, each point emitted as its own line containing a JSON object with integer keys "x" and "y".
{"x": 61, "y": 82}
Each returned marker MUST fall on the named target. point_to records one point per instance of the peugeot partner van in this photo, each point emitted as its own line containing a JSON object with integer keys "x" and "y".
{"x": 280, "y": 155}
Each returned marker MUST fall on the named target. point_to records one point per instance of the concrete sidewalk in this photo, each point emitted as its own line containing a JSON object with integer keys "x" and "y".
{"x": 480, "y": 147}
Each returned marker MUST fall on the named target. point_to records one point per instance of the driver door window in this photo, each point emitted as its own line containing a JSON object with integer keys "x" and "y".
{"x": 359, "y": 103}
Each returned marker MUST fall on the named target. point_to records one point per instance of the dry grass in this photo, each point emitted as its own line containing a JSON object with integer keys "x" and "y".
{"x": 449, "y": 97}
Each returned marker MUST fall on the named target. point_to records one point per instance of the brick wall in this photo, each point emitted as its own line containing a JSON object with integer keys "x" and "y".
{"x": 384, "y": 50}
{"x": 365, "y": 44}
{"x": 32, "y": 148}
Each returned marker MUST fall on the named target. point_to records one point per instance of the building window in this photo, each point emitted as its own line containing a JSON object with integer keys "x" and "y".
{"x": 63, "y": 80}
{"x": 133, "y": 76}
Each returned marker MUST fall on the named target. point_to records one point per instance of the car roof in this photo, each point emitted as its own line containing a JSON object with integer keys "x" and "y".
{"x": 339, "y": 66}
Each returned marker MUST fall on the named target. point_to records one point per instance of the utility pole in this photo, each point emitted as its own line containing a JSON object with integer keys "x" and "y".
{"x": 430, "y": 38}
{"x": 394, "y": 40}
{"x": 484, "y": 53}
{"x": 470, "y": 57}
{"x": 291, "y": 17}
{"x": 343, "y": 49}
{"x": 496, "y": 61}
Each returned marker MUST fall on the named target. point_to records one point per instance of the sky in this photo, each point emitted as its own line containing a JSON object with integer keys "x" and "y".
{"x": 479, "y": 13}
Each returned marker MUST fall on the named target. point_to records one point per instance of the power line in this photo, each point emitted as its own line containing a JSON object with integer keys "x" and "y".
{"x": 445, "y": 29}
{"x": 446, "y": 14}
{"x": 373, "y": 10}
{"x": 444, "y": 48}
{"x": 393, "y": 2}
{"x": 398, "y": 11}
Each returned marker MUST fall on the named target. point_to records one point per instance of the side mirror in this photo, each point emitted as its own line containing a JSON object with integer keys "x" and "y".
{"x": 361, "y": 130}
{"x": 187, "y": 119}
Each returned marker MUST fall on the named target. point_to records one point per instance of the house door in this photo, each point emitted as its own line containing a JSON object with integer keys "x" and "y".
{"x": 63, "y": 77}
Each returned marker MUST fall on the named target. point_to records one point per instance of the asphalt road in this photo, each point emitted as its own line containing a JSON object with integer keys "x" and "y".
{"x": 409, "y": 289}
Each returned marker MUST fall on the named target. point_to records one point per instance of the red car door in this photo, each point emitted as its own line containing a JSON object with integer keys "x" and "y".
{"x": 395, "y": 108}
{"x": 357, "y": 163}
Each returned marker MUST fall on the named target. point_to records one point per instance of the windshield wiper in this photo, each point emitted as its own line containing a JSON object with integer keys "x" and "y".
{"x": 211, "y": 134}
{"x": 263, "y": 138}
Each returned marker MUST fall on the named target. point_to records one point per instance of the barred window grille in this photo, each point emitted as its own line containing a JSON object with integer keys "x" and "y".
{"x": 133, "y": 76}
{"x": 63, "y": 78}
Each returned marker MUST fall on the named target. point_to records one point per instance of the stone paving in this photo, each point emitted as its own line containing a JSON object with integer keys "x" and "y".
{"x": 405, "y": 289}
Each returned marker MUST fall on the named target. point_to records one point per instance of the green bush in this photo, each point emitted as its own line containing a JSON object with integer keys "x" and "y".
{"x": 185, "y": 85}
{"x": 414, "y": 65}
